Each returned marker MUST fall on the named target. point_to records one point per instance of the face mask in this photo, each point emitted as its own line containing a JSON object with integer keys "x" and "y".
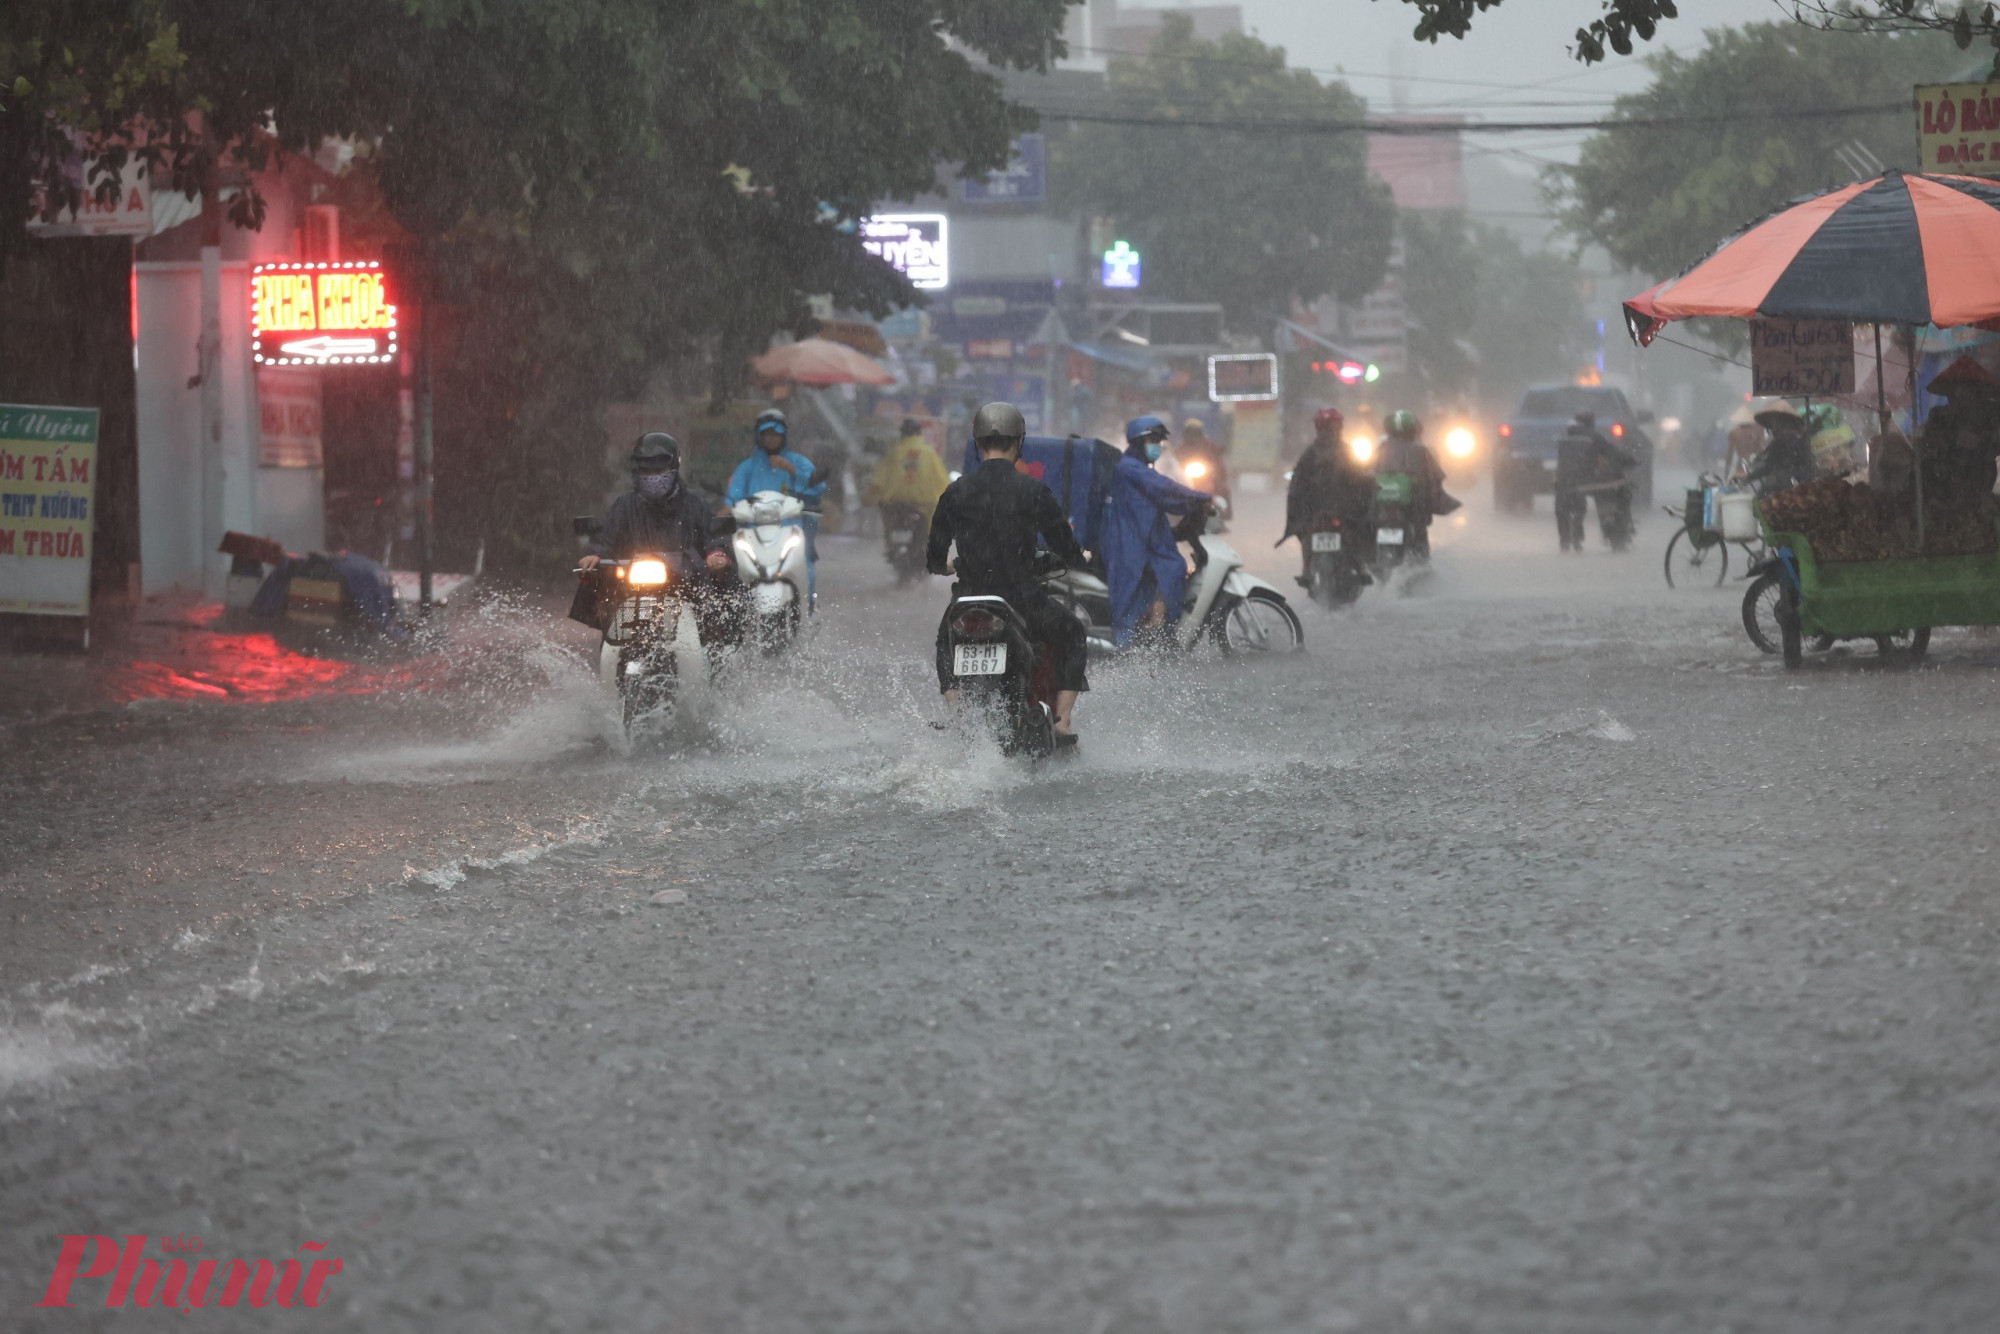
{"x": 771, "y": 442}
{"x": 659, "y": 485}
{"x": 1153, "y": 448}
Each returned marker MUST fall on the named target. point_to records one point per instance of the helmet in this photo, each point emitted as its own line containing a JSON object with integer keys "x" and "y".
{"x": 770, "y": 419}
{"x": 999, "y": 420}
{"x": 1194, "y": 426}
{"x": 655, "y": 451}
{"x": 1328, "y": 421}
{"x": 1145, "y": 428}
{"x": 1402, "y": 422}
{"x": 911, "y": 426}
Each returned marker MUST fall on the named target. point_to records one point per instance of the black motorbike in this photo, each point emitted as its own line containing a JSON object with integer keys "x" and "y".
{"x": 904, "y": 531}
{"x": 997, "y": 670}
{"x": 652, "y": 646}
{"x": 1338, "y": 554}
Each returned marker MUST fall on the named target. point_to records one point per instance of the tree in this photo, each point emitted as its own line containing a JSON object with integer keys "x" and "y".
{"x": 1250, "y": 221}
{"x": 1441, "y": 270}
{"x": 1659, "y": 197}
{"x": 1623, "y": 21}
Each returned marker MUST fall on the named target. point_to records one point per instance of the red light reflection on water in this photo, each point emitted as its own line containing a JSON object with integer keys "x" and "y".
{"x": 251, "y": 669}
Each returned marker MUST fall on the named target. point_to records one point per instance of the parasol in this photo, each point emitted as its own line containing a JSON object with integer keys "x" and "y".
{"x": 821, "y": 361}
{"x": 1898, "y": 249}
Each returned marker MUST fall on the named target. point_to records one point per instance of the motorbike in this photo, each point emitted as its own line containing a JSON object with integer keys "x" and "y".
{"x": 1399, "y": 532}
{"x": 999, "y": 672}
{"x": 904, "y": 529}
{"x": 771, "y": 562}
{"x": 1226, "y": 605}
{"x": 652, "y": 649}
{"x": 1337, "y": 558}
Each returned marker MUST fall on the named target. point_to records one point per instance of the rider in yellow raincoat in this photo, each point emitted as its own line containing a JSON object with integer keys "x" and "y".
{"x": 907, "y": 484}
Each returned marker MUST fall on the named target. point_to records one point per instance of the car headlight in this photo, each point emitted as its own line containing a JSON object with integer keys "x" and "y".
{"x": 646, "y": 573}
{"x": 1458, "y": 443}
{"x": 1361, "y": 447}
{"x": 1195, "y": 470}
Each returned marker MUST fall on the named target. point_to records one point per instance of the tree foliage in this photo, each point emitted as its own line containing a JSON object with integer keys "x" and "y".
{"x": 1247, "y": 220}
{"x": 1659, "y": 197}
{"x": 1621, "y": 23}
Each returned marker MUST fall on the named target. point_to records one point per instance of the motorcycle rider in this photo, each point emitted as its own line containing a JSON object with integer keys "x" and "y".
{"x": 1585, "y": 459}
{"x": 1403, "y": 451}
{"x": 772, "y": 467}
{"x": 1194, "y": 448}
{"x": 994, "y": 513}
{"x": 661, "y": 514}
{"x": 1143, "y": 567}
{"x": 1327, "y": 481}
{"x": 910, "y": 475}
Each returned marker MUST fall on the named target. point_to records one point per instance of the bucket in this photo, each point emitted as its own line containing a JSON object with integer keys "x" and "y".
{"x": 1738, "y": 510}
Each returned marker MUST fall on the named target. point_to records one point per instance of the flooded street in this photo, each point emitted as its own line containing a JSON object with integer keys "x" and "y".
{"x": 1530, "y": 954}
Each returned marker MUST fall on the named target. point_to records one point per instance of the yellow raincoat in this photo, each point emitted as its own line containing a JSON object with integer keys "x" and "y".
{"x": 909, "y": 474}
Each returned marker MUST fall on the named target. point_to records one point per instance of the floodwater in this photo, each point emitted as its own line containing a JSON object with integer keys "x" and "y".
{"x": 1531, "y": 954}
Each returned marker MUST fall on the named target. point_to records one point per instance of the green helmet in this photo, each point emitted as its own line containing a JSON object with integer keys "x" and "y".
{"x": 1402, "y": 423}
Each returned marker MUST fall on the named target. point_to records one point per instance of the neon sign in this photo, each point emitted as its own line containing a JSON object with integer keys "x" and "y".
{"x": 1121, "y": 266}
{"x": 321, "y": 313}
{"x": 913, "y": 244}
{"x": 1243, "y": 378}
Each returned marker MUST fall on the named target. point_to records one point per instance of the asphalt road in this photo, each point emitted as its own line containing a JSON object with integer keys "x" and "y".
{"x": 1529, "y": 955}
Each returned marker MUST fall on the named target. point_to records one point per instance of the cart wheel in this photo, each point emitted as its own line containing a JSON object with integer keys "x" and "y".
{"x": 1788, "y": 625}
{"x": 1912, "y": 642}
{"x": 1760, "y": 611}
{"x": 1698, "y": 565}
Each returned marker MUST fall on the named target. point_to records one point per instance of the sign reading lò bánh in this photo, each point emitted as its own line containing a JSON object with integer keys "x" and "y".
{"x": 48, "y": 471}
{"x": 1801, "y": 358}
{"x": 321, "y": 313}
{"x": 1958, "y": 129}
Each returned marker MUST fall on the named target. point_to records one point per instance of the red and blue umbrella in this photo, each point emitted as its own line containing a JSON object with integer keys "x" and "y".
{"x": 1899, "y": 249}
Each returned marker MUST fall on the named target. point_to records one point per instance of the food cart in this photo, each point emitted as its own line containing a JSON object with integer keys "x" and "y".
{"x": 1856, "y": 563}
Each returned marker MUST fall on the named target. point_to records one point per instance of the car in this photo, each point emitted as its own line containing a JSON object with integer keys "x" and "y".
{"x": 1524, "y": 452}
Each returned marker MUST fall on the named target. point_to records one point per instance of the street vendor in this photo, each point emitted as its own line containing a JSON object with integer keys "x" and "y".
{"x": 1962, "y": 435}
{"x": 1788, "y": 460}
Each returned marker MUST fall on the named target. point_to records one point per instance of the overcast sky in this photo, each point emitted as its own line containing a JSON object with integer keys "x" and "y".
{"x": 1521, "y": 46}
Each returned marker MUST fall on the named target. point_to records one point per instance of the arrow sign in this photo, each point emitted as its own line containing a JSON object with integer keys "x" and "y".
{"x": 326, "y": 346}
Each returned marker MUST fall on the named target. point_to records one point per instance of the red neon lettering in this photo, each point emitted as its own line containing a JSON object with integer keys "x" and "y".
{"x": 69, "y": 1263}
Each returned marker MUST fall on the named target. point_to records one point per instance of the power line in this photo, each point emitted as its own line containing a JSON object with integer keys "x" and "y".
{"x": 1420, "y": 128}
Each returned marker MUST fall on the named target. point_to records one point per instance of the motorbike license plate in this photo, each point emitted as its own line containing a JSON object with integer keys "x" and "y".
{"x": 979, "y": 659}
{"x": 1389, "y": 537}
{"x": 1326, "y": 541}
{"x": 903, "y": 535}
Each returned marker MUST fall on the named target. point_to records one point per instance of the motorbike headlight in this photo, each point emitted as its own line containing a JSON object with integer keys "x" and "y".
{"x": 1458, "y": 443}
{"x": 792, "y": 543}
{"x": 647, "y": 572}
{"x": 1195, "y": 470}
{"x": 1361, "y": 447}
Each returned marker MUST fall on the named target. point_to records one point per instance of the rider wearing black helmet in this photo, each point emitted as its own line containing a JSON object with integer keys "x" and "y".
{"x": 994, "y": 513}
{"x": 661, "y": 514}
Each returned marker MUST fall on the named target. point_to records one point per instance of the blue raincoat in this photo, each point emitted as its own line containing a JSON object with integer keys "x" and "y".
{"x": 1139, "y": 541}
{"x": 758, "y": 473}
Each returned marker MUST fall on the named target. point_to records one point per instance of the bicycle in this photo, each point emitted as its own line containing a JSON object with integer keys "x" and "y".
{"x": 1696, "y": 549}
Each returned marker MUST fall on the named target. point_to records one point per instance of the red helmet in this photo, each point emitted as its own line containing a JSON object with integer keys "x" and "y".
{"x": 1328, "y": 421}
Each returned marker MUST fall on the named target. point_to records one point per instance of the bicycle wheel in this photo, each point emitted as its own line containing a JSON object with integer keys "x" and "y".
{"x": 1760, "y": 611}
{"x": 1697, "y": 565}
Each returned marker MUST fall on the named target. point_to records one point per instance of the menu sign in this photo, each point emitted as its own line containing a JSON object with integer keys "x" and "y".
{"x": 1801, "y": 358}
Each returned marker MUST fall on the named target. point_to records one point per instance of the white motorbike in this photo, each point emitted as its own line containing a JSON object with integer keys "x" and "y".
{"x": 1232, "y": 608}
{"x": 771, "y": 561}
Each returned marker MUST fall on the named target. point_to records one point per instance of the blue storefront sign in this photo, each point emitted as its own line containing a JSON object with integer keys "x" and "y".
{"x": 1024, "y": 180}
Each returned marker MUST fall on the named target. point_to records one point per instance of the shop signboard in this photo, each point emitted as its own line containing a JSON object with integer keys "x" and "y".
{"x": 1123, "y": 267}
{"x": 322, "y": 313}
{"x": 128, "y": 213}
{"x": 1801, "y": 358}
{"x": 48, "y": 475}
{"x": 1022, "y": 181}
{"x": 288, "y": 412}
{"x": 916, "y": 245}
{"x": 1958, "y": 128}
{"x": 1243, "y": 378}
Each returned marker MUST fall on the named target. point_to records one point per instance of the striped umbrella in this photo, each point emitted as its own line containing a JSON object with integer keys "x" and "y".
{"x": 1899, "y": 249}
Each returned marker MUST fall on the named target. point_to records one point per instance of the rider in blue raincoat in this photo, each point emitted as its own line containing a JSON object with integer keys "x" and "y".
{"x": 1141, "y": 562}
{"x": 772, "y": 467}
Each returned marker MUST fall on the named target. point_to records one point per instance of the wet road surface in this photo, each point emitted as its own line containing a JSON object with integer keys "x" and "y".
{"x": 1529, "y": 955}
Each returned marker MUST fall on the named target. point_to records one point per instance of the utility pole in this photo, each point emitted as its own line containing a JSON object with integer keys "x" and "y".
{"x": 208, "y": 373}
{"x": 426, "y": 527}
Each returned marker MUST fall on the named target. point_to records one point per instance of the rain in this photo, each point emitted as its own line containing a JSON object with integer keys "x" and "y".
{"x": 541, "y": 553}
